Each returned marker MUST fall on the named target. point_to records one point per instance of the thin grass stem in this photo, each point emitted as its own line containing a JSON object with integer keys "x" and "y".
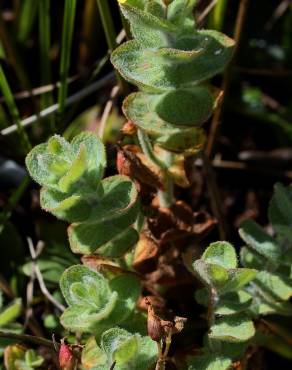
{"x": 67, "y": 36}
{"x": 45, "y": 65}
{"x": 13, "y": 110}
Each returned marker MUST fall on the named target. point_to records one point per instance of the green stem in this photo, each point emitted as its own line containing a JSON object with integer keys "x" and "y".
{"x": 67, "y": 34}
{"x": 217, "y": 17}
{"x": 13, "y": 110}
{"x": 148, "y": 150}
{"x": 110, "y": 35}
{"x": 29, "y": 339}
{"x": 107, "y": 24}
{"x": 165, "y": 196}
{"x": 45, "y": 66}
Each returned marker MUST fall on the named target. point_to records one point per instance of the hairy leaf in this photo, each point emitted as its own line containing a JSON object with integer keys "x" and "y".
{"x": 260, "y": 242}
{"x": 95, "y": 303}
{"x": 234, "y": 328}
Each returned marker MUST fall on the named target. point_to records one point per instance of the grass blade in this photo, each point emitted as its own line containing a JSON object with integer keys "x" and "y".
{"x": 110, "y": 34}
{"x": 107, "y": 23}
{"x": 13, "y": 110}
{"x": 67, "y": 35}
{"x": 217, "y": 16}
{"x": 26, "y": 19}
{"x": 44, "y": 46}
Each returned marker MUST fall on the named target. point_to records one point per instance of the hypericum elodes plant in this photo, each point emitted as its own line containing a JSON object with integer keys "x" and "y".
{"x": 101, "y": 211}
{"x": 235, "y": 297}
{"x": 96, "y": 303}
{"x": 230, "y": 324}
{"x": 272, "y": 256}
{"x": 117, "y": 346}
{"x": 169, "y": 60}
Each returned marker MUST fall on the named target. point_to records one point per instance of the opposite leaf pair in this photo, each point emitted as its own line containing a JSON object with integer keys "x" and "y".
{"x": 102, "y": 211}
{"x": 169, "y": 61}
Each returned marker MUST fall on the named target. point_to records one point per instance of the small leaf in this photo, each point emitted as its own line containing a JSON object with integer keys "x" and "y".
{"x": 119, "y": 345}
{"x": 74, "y": 208}
{"x": 280, "y": 210}
{"x": 170, "y": 118}
{"x": 94, "y": 302}
{"x": 179, "y": 12}
{"x": 279, "y": 286}
{"x": 192, "y": 60}
{"x": 260, "y": 242}
{"x": 12, "y": 354}
{"x": 211, "y": 275}
{"x": 221, "y": 253}
{"x": 11, "y": 312}
{"x": 151, "y": 31}
{"x": 95, "y": 155}
{"x": 234, "y": 328}
{"x": 209, "y": 362}
{"x": 237, "y": 278}
{"x": 130, "y": 351}
{"x": 229, "y": 303}
{"x": 108, "y": 229}
{"x": 92, "y": 355}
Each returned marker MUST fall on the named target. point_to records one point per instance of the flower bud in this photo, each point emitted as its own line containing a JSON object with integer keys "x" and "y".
{"x": 129, "y": 128}
{"x": 154, "y": 327}
{"x": 67, "y": 361}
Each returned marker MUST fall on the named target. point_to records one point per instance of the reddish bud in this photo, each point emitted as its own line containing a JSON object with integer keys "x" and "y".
{"x": 67, "y": 361}
{"x": 129, "y": 128}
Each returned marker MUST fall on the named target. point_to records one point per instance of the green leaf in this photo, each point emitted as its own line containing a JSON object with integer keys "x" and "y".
{"x": 128, "y": 351}
{"x": 32, "y": 359}
{"x": 194, "y": 59}
{"x": 108, "y": 229}
{"x": 150, "y": 112}
{"x": 209, "y": 362}
{"x": 237, "y": 278}
{"x": 94, "y": 302}
{"x": 211, "y": 275}
{"x": 277, "y": 285}
{"x": 260, "y": 242}
{"x": 58, "y": 165}
{"x": 222, "y": 254}
{"x": 92, "y": 355}
{"x": 95, "y": 154}
{"x": 119, "y": 345}
{"x": 11, "y": 312}
{"x": 179, "y": 12}
{"x": 74, "y": 174}
{"x": 45, "y": 168}
{"x": 229, "y": 303}
{"x": 251, "y": 259}
{"x": 280, "y": 210}
{"x": 74, "y": 208}
{"x": 12, "y": 354}
{"x": 234, "y": 328}
{"x": 148, "y": 29}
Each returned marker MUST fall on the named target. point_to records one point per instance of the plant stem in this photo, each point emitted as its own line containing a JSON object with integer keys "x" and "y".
{"x": 67, "y": 34}
{"x": 165, "y": 196}
{"x": 9, "y": 99}
{"x": 29, "y": 338}
{"x": 110, "y": 35}
{"x": 217, "y": 16}
{"x": 211, "y": 306}
{"x": 148, "y": 150}
{"x": 45, "y": 66}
